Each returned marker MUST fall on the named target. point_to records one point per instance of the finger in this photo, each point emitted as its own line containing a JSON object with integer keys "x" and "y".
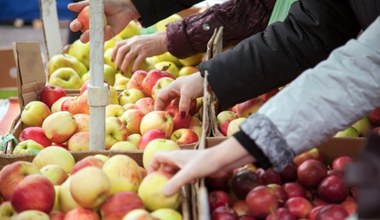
{"x": 126, "y": 62}
{"x": 161, "y": 159}
{"x": 108, "y": 34}
{"x": 85, "y": 37}
{"x": 164, "y": 96}
{"x": 120, "y": 56}
{"x": 137, "y": 63}
{"x": 75, "y": 25}
{"x": 78, "y": 6}
{"x": 182, "y": 177}
{"x": 184, "y": 103}
{"x": 116, "y": 50}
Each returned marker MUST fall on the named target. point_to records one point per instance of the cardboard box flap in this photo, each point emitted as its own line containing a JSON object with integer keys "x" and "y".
{"x": 31, "y": 77}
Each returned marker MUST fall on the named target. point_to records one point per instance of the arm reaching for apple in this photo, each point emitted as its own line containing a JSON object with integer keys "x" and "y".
{"x": 118, "y": 15}
{"x": 194, "y": 164}
{"x": 187, "y": 88}
{"x": 136, "y": 49}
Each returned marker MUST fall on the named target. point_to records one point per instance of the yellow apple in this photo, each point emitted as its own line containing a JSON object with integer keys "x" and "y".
{"x": 130, "y": 30}
{"x": 157, "y": 145}
{"x": 167, "y": 56}
{"x": 66, "y": 200}
{"x": 166, "y": 214}
{"x": 27, "y": 147}
{"x": 57, "y": 105}
{"x": 79, "y": 141}
{"x": 81, "y": 51}
{"x": 55, "y": 155}
{"x": 124, "y": 145}
{"x": 138, "y": 214}
{"x": 161, "y": 25}
{"x": 31, "y": 215}
{"x": 114, "y": 110}
{"x": 167, "y": 66}
{"x": 132, "y": 119}
{"x": 187, "y": 70}
{"x": 59, "y": 126}
{"x": 66, "y": 78}
{"x": 115, "y": 131}
{"x": 192, "y": 60}
{"x": 56, "y": 174}
{"x": 34, "y": 113}
{"x": 7, "y": 212}
{"x": 161, "y": 120}
{"x": 112, "y": 42}
{"x": 83, "y": 122}
{"x": 134, "y": 139}
{"x": 66, "y": 61}
{"x": 234, "y": 126}
{"x": 109, "y": 74}
{"x": 56, "y": 206}
{"x": 160, "y": 84}
{"x": 113, "y": 96}
{"x": 130, "y": 96}
{"x": 103, "y": 157}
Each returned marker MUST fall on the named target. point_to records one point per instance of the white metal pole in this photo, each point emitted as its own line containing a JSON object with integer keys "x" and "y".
{"x": 97, "y": 89}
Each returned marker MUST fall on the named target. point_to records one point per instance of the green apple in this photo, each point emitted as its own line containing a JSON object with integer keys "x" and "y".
{"x": 112, "y": 42}
{"x": 120, "y": 81}
{"x": 160, "y": 84}
{"x": 161, "y": 25}
{"x": 31, "y": 215}
{"x": 55, "y": 155}
{"x": 166, "y": 214}
{"x": 187, "y": 70}
{"x": 123, "y": 145}
{"x": 66, "y": 60}
{"x": 167, "y": 56}
{"x": 362, "y": 126}
{"x": 109, "y": 74}
{"x": 108, "y": 58}
{"x": 348, "y": 132}
{"x": 85, "y": 77}
{"x": 130, "y": 30}
{"x": 167, "y": 66}
{"x": 114, "y": 110}
{"x": 157, "y": 145}
{"x": 65, "y": 199}
{"x": 234, "y": 125}
{"x": 192, "y": 60}
{"x": 134, "y": 139}
{"x": 7, "y": 211}
{"x": 81, "y": 51}
{"x": 114, "y": 96}
{"x": 130, "y": 96}
{"x": 65, "y": 78}
{"x": 27, "y": 147}
{"x": 56, "y": 174}
{"x": 115, "y": 131}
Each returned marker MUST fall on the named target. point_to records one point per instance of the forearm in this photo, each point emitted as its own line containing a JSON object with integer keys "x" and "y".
{"x": 322, "y": 101}
{"x": 240, "y": 20}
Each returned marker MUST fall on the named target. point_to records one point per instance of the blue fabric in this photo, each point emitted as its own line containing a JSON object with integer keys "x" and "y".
{"x": 30, "y": 9}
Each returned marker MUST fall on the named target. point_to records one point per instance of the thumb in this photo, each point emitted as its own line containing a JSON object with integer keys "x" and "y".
{"x": 176, "y": 182}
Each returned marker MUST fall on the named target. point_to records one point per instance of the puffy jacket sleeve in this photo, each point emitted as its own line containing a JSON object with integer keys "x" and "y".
{"x": 276, "y": 56}
{"x": 152, "y": 11}
{"x": 320, "y": 102}
{"x": 240, "y": 19}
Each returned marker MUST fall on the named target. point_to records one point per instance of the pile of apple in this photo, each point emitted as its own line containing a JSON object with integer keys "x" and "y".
{"x": 308, "y": 188}
{"x": 54, "y": 186}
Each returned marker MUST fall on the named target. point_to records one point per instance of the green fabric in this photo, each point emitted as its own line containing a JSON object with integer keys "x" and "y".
{"x": 5, "y": 139}
{"x": 280, "y": 10}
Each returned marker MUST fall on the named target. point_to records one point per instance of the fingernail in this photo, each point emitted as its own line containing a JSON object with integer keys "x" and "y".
{"x": 167, "y": 190}
{"x": 183, "y": 114}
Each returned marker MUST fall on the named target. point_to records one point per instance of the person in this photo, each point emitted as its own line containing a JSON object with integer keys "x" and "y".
{"x": 189, "y": 36}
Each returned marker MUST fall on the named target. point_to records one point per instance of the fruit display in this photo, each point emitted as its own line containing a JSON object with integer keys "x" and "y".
{"x": 309, "y": 188}
{"x": 56, "y": 185}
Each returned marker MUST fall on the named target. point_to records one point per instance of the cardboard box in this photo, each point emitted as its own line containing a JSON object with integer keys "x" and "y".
{"x": 331, "y": 149}
{"x": 8, "y": 74}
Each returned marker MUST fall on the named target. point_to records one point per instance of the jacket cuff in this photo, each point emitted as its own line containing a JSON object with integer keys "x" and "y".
{"x": 178, "y": 43}
{"x": 250, "y": 145}
{"x": 269, "y": 140}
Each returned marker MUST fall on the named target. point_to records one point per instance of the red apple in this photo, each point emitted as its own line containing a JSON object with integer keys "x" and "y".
{"x": 36, "y": 134}
{"x": 243, "y": 181}
{"x": 311, "y": 172}
{"x": 248, "y": 107}
{"x": 374, "y": 117}
{"x": 81, "y": 214}
{"x": 289, "y": 173}
{"x": 184, "y": 136}
{"x": 333, "y": 189}
{"x": 261, "y": 201}
{"x": 270, "y": 176}
{"x": 136, "y": 80}
{"x": 313, "y": 153}
{"x": 117, "y": 206}
{"x": 145, "y": 105}
{"x": 151, "y": 78}
{"x": 218, "y": 183}
{"x": 157, "y": 120}
{"x": 34, "y": 192}
{"x": 50, "y": 94}
{"x": 314, "y": 211}
{"x": 150, "y": 135}
{"x": 246, "y": 217}
{"x": 294, "y": 189}
{"x": 279, "y": 192}
{"x": 223, "y": 213}
{"x": 223, "y": 127}
{"x": 86, "y": 162}
{"x": 299, "y": 206}
{"x": 318, "y": 201}
{"x": 217, "y": 199}
{"x": 270, "y": 94}
{"x": 332, "y": 212}
{"x": 340, "y": 163}
{"x": 57, "y": 215}
{"x": 350, "y": 205}
{"x": 281, "y": 213}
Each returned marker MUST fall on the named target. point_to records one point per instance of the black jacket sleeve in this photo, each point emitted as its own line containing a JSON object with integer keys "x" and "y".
{"x": 152, "y": 11}
{"x": 275, "y": 57}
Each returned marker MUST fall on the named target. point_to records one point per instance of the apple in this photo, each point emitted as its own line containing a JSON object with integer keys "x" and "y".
{"x": 224, "y": 116}
{"x": 72, "y": 105}
{"x": 113, "y": 96}
{"x": 12, "y": 174}
{"x": 130, "y": 96}
{"x": 294, "y": 189}
{"x": 130, "y": 30}
{"x": 59, "y": 126}
{"x": 34, "y": 192}
{"x": 261, "y": 201}
{"x": 348, "y": 132}
{"x": 160, "y": 84}
{"x": 266, "y": 96}
{"x": 115, "y": 131}
{"x": 311, "y": 172}
{"x": 149, "y": 136}
{"x": 31, "y": 215}
{"x": 84, "y": 18}
{"x": 55, "y": 155}
{"x": 243, "y": 181}
{"x": 218, "y": 183}
{"x": 36, "y": 134}
{"x": 129, "y": 106}
{"x": 50, "y": 94}
{"x": 138, "y": 214}
{"x": 248, "y": 107}
{"x": 118, "y": 205}
{"x": 114, "y": 110}
{"x": 157, "y": 145}
{"x": 270, "y": 176}
{"x": 124, "y": 146}
{"x": 314, "y": 211}
{"x": 312, "y": 153}
{"x": 109, "y": 74}
{"x": 332, "y": 212}
{"x": 152, "y": 195}
{"x": 363, "y": 126}
{"x": 173, "y": 107}
{"x": 223, "y": 212}
{"x": 66, "y": 78}
{"x": 57, "y": 105}
{"x": 145, "y": 105}
{"x": 27, "y": 147}
{"x": 223, "y": 128}
{"x": 184, "y": 136}
{"x": 187, "y": 70}
{"x": 7, "y": 211}
{"x": 81, "y": 213}
{"x": 132, "y": 119}
{"x": 350, "y": 205}
{"x": 279, "y": 192}
{"x": 281, "y": 213}
{"x": 340, "y": 163}
{"x": 102, "y": 157}
{"x": 167, "y": 66}
{"x": 240, "y": 208}
{"x": 57, "y": 215}
{"x": 246, "y": 217}
{"x": 136, "y": 80}
{"x": 234, "y": 126}
{"x": 83, "y": 122}
{"x": 151, "y": 78}
{"x": 333, "y": 189}
{"x": 299, "y": 206}
{"x": 83, "y": 103}
{"x": 56, "y": 174}
{"x": 85, "y": 192}
{"x": 79, "y": 141}
{"x": 318, "y": 201}
{"x": 65, "y": 199}
{"x": 193, "y": 60}
{"x": 157, "y": 120}
{"x": 289, "y": 173}
{"x": 86, "y": 162}
{"x": 34, "y": 113}
{"x": 197, "y": 130}
{"x": 120, "y": 81}
{"x": 374, "y": 117}
{"x": 81, "y": 51}
{"x": 123, "y": 172}
{"x": 67, "y": 61}
{"x": 168, "y": 214}
{"x": 217, "y": 199}
{"x": 134, "y": 139}
{"x": 108, "y": 58}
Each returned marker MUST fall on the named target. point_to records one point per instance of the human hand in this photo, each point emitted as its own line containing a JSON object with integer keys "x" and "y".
{"x": 190, "y": 165}
{"x": 118, "y": 13}
{"x": 136, "y": 49}
{"x": 186, "y": 88}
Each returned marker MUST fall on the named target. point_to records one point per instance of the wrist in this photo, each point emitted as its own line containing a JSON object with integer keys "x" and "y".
{"x": 132, "y": 10}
